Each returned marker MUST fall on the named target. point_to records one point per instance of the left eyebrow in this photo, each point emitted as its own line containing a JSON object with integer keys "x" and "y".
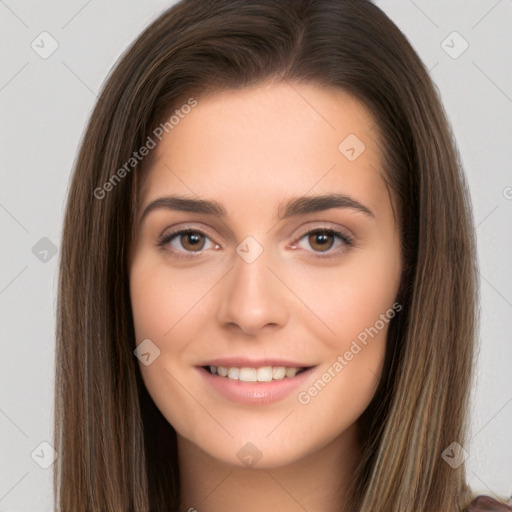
{"x": 295, "y": 206}
{"x": 311, "y": 204}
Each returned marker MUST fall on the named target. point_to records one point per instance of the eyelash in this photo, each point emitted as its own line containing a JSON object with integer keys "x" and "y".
{"x": 167, "y": 238}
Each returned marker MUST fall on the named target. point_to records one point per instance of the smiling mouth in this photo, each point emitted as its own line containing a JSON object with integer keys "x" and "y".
{"x": 262, "y": 374}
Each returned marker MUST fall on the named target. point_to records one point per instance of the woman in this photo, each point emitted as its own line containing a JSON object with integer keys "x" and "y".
{"x": 268, "y": 278}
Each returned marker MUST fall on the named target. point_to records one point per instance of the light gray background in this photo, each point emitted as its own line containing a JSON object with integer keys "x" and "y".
{"x": 45, "y": 104}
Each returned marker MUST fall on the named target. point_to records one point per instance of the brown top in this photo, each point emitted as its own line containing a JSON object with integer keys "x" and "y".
{"x": 488, "y": 504}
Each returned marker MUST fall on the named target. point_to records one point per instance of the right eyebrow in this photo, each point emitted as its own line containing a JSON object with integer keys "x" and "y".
{"x": 185, "y": 204}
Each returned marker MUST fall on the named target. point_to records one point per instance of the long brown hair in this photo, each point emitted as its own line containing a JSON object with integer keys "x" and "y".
{"x": 116, "y": 450}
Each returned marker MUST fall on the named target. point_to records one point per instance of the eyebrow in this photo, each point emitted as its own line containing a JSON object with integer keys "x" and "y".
{"x": 295, "y": 206}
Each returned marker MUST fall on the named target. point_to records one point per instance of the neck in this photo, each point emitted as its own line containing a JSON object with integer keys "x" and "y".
{"x": 317, "y": 482}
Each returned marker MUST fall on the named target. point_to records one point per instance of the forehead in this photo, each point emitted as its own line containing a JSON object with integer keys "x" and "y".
{"x": 270, "y": 141}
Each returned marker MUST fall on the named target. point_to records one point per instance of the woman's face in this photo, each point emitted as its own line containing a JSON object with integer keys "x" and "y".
{"x": 263, "y": 285}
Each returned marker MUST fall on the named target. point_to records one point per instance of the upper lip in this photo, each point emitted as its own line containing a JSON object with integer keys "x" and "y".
{"x": 247, "y": 362}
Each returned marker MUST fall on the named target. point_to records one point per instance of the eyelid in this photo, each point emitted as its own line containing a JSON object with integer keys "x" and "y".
{"x": 322, "y": 226}
{"x": 347, "y": 241}
{"x": 199, "y": 228}
{"x": 165, "y": 238}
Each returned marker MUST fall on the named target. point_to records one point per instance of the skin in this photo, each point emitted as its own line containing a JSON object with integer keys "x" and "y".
{"x": 252, "y": 150}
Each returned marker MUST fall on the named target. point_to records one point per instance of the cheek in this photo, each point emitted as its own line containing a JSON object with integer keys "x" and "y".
{"x": 161, "y": 299}
{"x": 351, "y": 301}
{"x": 357, "y": 304}
{"x": 151, "y": 302}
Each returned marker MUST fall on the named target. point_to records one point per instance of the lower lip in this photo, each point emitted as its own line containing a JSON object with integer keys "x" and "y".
{"x": 254, "y": 392}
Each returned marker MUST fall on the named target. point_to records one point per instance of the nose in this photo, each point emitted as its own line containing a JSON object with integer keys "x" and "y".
{"x": 253, "y": 298}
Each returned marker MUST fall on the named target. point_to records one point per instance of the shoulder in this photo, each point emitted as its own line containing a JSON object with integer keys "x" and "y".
{"x": 487, "y": 504}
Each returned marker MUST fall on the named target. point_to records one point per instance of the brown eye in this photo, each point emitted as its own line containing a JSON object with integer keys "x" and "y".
{"x": 321, "y": 240}
{"x": 186, "y": 242}
{"x": 192, "y": 241}
{"x": 324, "y": 243}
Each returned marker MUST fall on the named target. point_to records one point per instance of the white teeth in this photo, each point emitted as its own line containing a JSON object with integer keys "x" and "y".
{"x": 290, "y": 372}
{"x": 278, "y": 372}
{"x": 248, "y": 375}
{"x": 263, "y": 374}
